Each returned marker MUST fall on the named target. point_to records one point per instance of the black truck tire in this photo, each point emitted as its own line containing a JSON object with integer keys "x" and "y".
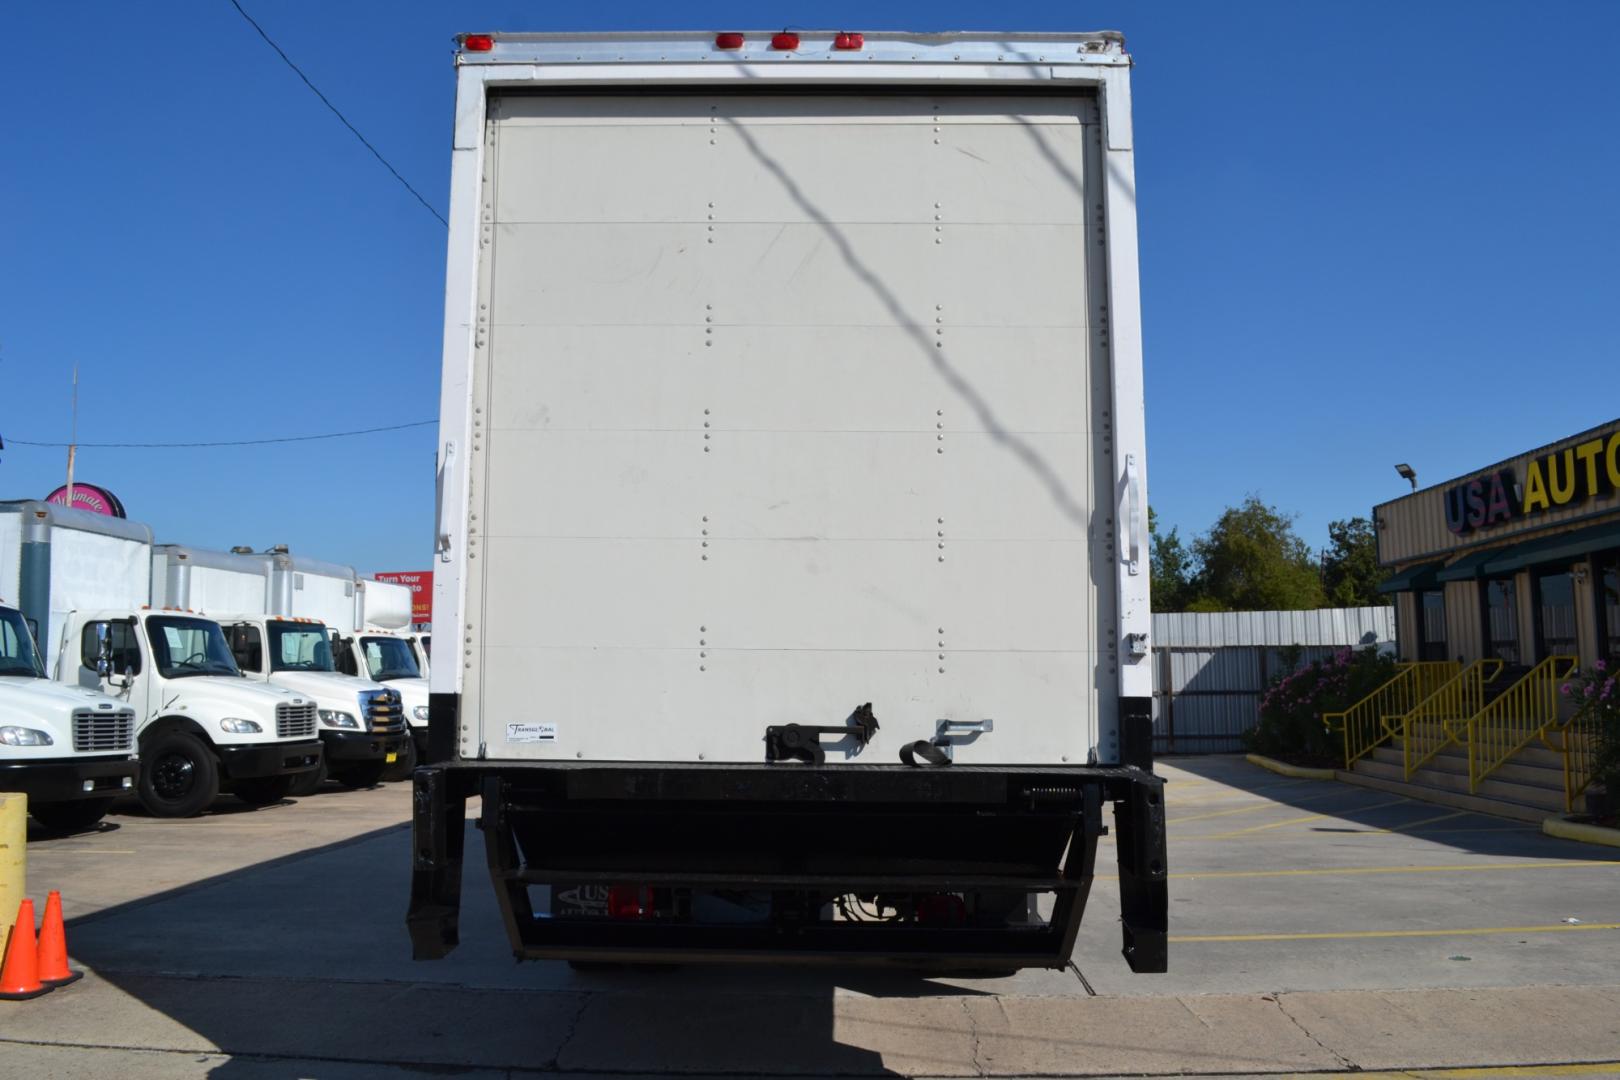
{"x": 363, "y": 774}
{"x": 179, "y": 776}
{"x": 71, "y": 817}
{"x": 264, "y": 790}
{"x": 308, "y": 783}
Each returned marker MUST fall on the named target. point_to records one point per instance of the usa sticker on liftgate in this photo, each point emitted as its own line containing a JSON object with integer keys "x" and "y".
{"x": 531, "y": 733}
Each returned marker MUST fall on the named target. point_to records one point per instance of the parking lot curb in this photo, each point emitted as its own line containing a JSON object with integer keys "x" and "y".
{"x": 1565, "y": 829}
{"x": 1296, "y": 772}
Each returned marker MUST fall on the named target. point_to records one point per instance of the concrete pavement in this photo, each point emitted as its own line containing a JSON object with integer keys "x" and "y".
{"x": 271, "y": 943}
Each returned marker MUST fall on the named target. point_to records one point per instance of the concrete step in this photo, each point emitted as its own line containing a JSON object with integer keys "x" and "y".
{"x": 1516, "y": 771}
{"x": 1534, "y": 754}
{"x": 1548, "y": 801}
{"x": 1442, "y": 797}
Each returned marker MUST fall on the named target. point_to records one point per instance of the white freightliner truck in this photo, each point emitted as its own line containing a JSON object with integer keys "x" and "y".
{"x": 362, "y": 728}
{"x": 85, "y": 580}
{"x": 791, "y": 501}
{"x": 338, "y": 597}
{"x": 71, "y": 751}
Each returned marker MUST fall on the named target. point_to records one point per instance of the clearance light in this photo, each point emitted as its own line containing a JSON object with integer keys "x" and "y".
{"x": 477, "y": 42}
{"x": 849, "y": 42}
{"x": 785, "y": 41}
{"x": 728, "y": 41}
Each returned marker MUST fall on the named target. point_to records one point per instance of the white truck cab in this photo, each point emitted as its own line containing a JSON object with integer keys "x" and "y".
{"x": 70, "y": 750}
{"x": 390, "y": 659}
{"x": 362, "y": 722}
{"x": 422, "y": 642}
{"x": 199, "y": 724}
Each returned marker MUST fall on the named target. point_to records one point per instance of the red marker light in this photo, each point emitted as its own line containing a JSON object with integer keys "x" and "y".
{"x": 785, "y": 41}
{"x": 849, "y": 42}
{"x": 728, "y": 41}
{"x": 627, "y": 902}
{"x": 477, "y": 42}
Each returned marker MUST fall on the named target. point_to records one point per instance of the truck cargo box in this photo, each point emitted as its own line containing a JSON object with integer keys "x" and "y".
{"x": 792, "y": 497}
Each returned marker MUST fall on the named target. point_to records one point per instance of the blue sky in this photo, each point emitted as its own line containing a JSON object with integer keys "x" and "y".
{"x": 1370, "y": 233}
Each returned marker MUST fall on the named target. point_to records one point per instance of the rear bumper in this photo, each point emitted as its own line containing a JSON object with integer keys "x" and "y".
{"x": 354, "y": 746}
{"x": 63, "y": 779}
{"x": 796, "y": 837}
{"x": 271, "y": 759}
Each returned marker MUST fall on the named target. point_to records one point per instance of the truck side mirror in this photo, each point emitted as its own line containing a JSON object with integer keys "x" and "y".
{"x": 104, "y": 649}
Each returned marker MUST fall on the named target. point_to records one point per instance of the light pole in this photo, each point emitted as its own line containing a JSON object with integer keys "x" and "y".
{"x": 1407, "y": 473}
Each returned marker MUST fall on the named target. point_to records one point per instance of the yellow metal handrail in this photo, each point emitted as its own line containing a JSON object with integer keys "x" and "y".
{"x": 1576, "y": 741}
{"x": 1522, "y": 714}
{"x": 1441, "y": 718}
{"x": 1365, "y": 724}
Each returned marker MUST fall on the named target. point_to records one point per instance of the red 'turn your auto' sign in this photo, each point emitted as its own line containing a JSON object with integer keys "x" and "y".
{"x": 420, "y": 582}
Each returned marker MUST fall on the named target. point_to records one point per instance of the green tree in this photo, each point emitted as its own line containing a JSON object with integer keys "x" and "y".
{"x": 1350, "y": 571}
{"x": 1251, "y": 560}
{"x": 1171, "y": 567}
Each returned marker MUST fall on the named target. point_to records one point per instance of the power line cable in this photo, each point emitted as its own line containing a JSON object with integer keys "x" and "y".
{"x": 335, "y": 112}
{"x": 232, "y": 442}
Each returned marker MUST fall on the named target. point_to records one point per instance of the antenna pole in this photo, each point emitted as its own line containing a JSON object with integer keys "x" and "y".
{"x": 73, "y": 437}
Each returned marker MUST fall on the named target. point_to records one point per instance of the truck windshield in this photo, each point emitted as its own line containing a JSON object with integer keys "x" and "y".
{"x": 300, "y": 647}
{"x": 17, "y": 653}
{"x": 182, "y": 647}
{"x": 390, "y": 658}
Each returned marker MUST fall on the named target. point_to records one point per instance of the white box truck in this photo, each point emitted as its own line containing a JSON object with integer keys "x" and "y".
{"x": 71, "y": 751}
{"x": 362, "y": 725}
{"x": 339, "y": 597}
{"x": 199, "y": 726}
{"x": 791, "y": 501}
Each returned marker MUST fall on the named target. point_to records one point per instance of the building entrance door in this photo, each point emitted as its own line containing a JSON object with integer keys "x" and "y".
{"x": 1502, "y": 620}
{"x": 1555, "y": 615}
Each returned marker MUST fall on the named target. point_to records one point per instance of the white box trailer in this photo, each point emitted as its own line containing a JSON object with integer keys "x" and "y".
{"x": 385, "y": 605}
{"x": 791, "y": 499}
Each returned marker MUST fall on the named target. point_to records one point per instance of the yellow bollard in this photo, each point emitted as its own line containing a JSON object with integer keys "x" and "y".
{"x": 13, "y": 856}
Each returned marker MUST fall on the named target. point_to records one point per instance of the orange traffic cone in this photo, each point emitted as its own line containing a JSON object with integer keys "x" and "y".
{"x": 19, "y": 978}
{"x": 53, "y": 960}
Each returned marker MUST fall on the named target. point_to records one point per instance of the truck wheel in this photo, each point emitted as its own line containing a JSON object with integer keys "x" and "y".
{"x": 263, "y": 790}
{"x": 308, "y": 783}
{"x": 402, "y": 769}
{"x": 71, "y": 817}
{"x": 365, "y": 774}
{"x": 179, "y": 776}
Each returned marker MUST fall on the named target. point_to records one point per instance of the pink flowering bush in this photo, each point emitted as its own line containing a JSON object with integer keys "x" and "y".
{"x": 1594, "y": 693}
{"x": 1292, "y": 707}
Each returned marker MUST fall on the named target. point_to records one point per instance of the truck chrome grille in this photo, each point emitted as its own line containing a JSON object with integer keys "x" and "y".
{"x": 103, "y": 732}
{"x": 384, "y": 713}
{"x": 295, "y": 721}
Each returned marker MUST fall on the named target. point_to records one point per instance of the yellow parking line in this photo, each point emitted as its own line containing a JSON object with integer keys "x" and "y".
{"x": 1415, "y": 824}
{"x": 1298, "y": 821}
{"x": 1266, "y": 805}
{"x": 1347, "y": 935}
{"x": 1438, "y": 869}
{"x": 1490, "y": 1072}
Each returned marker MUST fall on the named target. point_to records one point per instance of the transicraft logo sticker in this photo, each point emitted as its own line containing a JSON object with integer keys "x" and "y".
{"x": 520, "y": 733}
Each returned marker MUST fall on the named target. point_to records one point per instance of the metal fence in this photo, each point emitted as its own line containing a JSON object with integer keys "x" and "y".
{"x": 1209, "y": 670}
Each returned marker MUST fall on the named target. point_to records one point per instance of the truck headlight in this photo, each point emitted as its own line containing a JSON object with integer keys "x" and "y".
{"x": 24, "y": 736}
{"x": 334, "y": 718}
{"x": 420, "y": 712}
{"x": 237, "y": 726}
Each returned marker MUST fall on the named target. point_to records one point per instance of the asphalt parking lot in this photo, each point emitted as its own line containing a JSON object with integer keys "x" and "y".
{"x": 1316, "y": 928}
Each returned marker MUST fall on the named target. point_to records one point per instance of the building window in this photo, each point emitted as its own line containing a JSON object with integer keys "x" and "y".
{"x": 1431, "y": 607}
{"x": 1555, "y": 615}
{"x": 1606, "y": 574}
{"x": 1501, "y": 620}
